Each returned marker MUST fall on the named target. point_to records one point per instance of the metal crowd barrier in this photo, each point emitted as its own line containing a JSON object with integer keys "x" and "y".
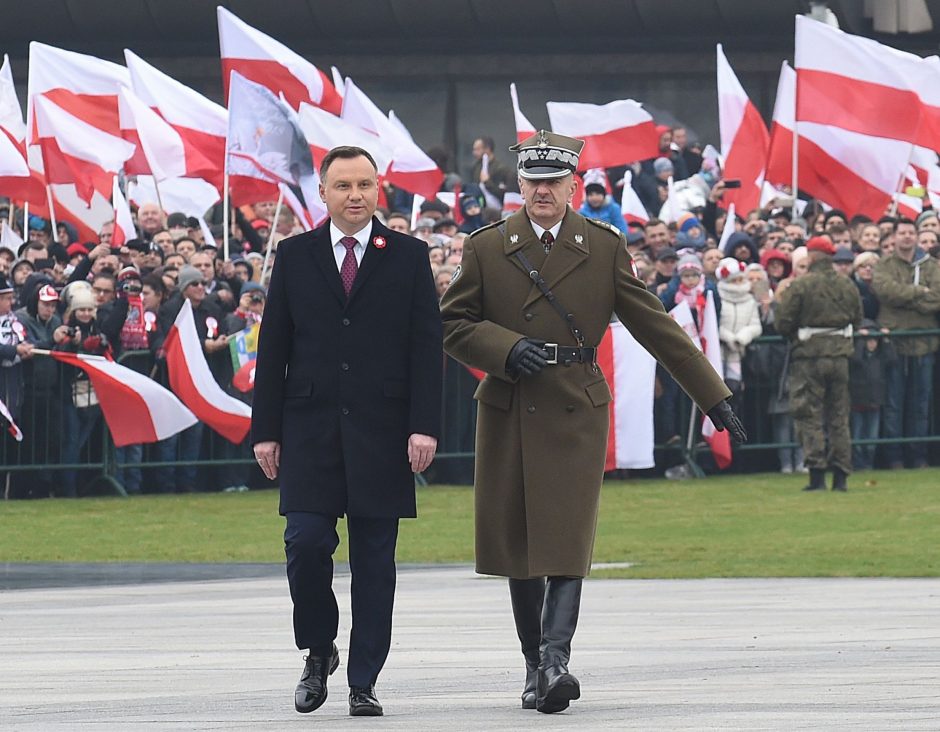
{"x": 35, "y": 465}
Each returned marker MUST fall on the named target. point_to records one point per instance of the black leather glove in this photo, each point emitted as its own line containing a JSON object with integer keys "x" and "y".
{"x": 724, "y": 418}
{"x": 527, "y": 357}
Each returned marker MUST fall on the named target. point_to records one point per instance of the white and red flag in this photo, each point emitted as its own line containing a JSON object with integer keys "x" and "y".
{"x": 744, "y": 139}
{"x": 12, "y": 128}
{"x": 160, "y": 150}
{"x": 260, "y": 58}
{"x": 616, "y": 133}
{"x": 200, "y": 123}
{"x": 191, "y": 196}
{"x": 12, "y": 428}
{"x": 84, "y": 86}
{"x": 136, "y": 408}
{"x": 192, "y": 381}
{"x": 524, "y": 128}
{"x": 719, "y": 442}
{"x": 124, "y": 229}
{"x": 848, "y": 170}
{"x": 324, "y": 131}
{"x": 75, "y": 152}
{"x": 860, "y": 85}
{"x": 634, "y": 212}
{"x": 411, "y": 169}
{"x": 631, "y": 373}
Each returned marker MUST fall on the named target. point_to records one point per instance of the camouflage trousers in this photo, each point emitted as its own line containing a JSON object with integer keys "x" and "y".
{"x": 820, "y": 406}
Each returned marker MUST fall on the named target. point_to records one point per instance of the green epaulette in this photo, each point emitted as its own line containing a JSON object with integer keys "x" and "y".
{"x": 486, "y": 228}
{"x": 604, "y": 225}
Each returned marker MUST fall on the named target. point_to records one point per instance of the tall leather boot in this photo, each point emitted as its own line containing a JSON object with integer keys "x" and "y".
{"x": 557, "y": 687}
{"x": 839, "y": 480}
{"x": 527, "y": 597}
{"x": 817, "y": 480}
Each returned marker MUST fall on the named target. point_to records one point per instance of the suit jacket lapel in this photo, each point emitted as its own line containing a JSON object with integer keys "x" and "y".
{"x": 521, "y": 236}
{"x": 322, "y": 250}
{"x": 570, "y": 250}
{"x": 370, "y": 259}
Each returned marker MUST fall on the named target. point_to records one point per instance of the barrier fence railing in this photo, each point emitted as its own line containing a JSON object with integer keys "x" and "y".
{"x": 54, "y": 459}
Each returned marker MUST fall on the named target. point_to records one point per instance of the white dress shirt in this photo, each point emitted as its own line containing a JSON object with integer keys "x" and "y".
{"x": 339, "y": 250}
{"x": 539, "y": 230}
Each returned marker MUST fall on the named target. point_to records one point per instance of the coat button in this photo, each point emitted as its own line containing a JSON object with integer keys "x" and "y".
{"x": 569, "y": 408}
{"x": 531, "y": 409}
{"x": 344, "y": 366}
{"x": 345, "y": 321}
{"x": 345, "y": 410}
{"x": 529, "y": 316}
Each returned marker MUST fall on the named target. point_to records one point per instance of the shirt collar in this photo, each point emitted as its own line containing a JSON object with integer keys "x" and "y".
{"x": 539, "y": 230}
{"x": 361, "y": 236}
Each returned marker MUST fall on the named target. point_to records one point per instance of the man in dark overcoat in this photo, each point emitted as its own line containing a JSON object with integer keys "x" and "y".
{"x": 533, "y": 325}
{"x": 346, "y": 409}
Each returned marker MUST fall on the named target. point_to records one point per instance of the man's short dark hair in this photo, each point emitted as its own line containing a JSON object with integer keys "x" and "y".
{"x": 345, "y": 152}
{"x": 399, "y": 215}
{"x": 832, "y": 213}
{"x": 838, "y": 229}
{"x": 488, "y": 142}
{"x": 904, "y": 220}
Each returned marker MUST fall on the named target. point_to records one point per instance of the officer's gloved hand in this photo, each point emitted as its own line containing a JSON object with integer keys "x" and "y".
{"x": 724, "y": 418}
{"x": 527, "y": 357}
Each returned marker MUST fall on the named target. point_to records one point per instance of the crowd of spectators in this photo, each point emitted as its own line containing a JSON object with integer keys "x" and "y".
{"x": 89, "y": 297}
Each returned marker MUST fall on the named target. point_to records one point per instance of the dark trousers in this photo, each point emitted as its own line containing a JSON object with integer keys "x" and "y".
{"x": 309, "y": 542}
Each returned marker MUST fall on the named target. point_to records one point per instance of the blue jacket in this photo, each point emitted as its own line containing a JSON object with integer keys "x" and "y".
{"x": 668, "y": 296}
{"x": 609, "y": 212}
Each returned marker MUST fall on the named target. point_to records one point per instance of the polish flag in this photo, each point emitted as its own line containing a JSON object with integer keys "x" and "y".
{"x": 200, "y": 123}
{"x": 262, "y": 59}
{"x": 192, "y": 381}
{"x": 160, "y": 150}
{"x": 84, "y": 86}
{"x": 634, "y": 212}
{"x": 744, "y": 138}
{"x": 12, "y": 129}
{"x": 324, "y": 131}
{"x": 339, "y": 83}
{"x": 848, "y": 170}
{"x": 13, "y": 429}
{"x": 74, "y": 151}
{"x": 614, "y": 134}
{"x": 631, "y": 374}
{"x": 411, "y": 169}
{"x": 123, "y": 221}
{"x": 861, "y": 85}
{"x": 719, "y": 442}
{"x": 524, "y": 128}
{"x": 512, "y": 202}
{"x": 729, "y": 227}
{"x": 135, "y": 407}
{"x": 191, "y": 196}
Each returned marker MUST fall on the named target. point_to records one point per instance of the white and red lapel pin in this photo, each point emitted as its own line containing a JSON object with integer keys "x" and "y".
{"x": 379, "y": 242}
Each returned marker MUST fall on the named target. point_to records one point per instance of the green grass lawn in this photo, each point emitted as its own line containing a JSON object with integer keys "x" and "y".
{"x": 888, "y": 524}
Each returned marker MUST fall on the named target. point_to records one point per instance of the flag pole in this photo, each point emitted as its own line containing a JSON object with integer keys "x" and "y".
{"x": 277, "y": 213}
{"x": 51, "y": 211}
{"x": 225, "y": 212}
{"x": 10, "y": 214}
{"x": 156, "y": 189}
{"x": 25, "y": 219}
{"x": 795, "y": 167}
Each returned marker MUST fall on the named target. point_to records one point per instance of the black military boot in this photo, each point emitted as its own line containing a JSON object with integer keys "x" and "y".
{"x": 528, "y": 596}
{"x": 557, "y": 687}
{"x": 839, "y": 480}
{"x": 817, "y": 480}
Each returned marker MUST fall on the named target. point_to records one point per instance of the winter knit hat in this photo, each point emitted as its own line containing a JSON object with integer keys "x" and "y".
{"x": 729, "y": 268}
{"x": 689, "y": 262}
{"x": 188, "y": 275}
{"x": 82, "y": 297}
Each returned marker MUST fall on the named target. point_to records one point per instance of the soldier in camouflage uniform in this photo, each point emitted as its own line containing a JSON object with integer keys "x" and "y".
{"x": 818, "y": 313}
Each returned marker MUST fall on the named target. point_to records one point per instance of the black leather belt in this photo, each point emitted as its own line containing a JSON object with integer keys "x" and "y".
{"x": 567, "y": 355}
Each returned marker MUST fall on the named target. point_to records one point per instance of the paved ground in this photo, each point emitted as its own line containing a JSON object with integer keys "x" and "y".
{"x": 651, "y": 655}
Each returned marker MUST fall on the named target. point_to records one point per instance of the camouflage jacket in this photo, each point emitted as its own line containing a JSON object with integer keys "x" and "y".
{"x": 906, "y": 305}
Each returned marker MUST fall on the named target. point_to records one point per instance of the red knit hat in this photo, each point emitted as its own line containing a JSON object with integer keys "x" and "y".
{"x": 821, "y": 244}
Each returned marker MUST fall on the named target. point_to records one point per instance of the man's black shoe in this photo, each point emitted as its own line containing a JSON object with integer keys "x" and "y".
{"x": 362, "y": 702}
{"x": 311, "y": 691}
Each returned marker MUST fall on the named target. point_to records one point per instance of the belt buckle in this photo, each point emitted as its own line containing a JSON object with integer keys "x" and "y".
{"x": 552, "y": 348}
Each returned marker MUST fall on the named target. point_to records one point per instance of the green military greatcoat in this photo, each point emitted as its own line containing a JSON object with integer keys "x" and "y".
{"x": 542, "y": 439}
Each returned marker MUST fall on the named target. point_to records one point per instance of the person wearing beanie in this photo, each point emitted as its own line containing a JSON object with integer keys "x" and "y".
{"x": 818, "y": 313}
{"x": 80, "y": 409}
{"x": 601, "y": 207}
{"x": 739, "y": 322}
{"x": 863, "y": 275}
{"x": 472, "y": 213}
{"x": 777, "y": 265}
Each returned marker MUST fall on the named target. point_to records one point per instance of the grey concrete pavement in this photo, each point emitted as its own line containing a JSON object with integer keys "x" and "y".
{"x": 852, "y": 654}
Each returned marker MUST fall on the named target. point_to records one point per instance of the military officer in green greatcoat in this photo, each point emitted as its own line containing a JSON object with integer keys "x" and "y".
{"x": 818, "y": 313}
{"x": 529, "y": 306}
